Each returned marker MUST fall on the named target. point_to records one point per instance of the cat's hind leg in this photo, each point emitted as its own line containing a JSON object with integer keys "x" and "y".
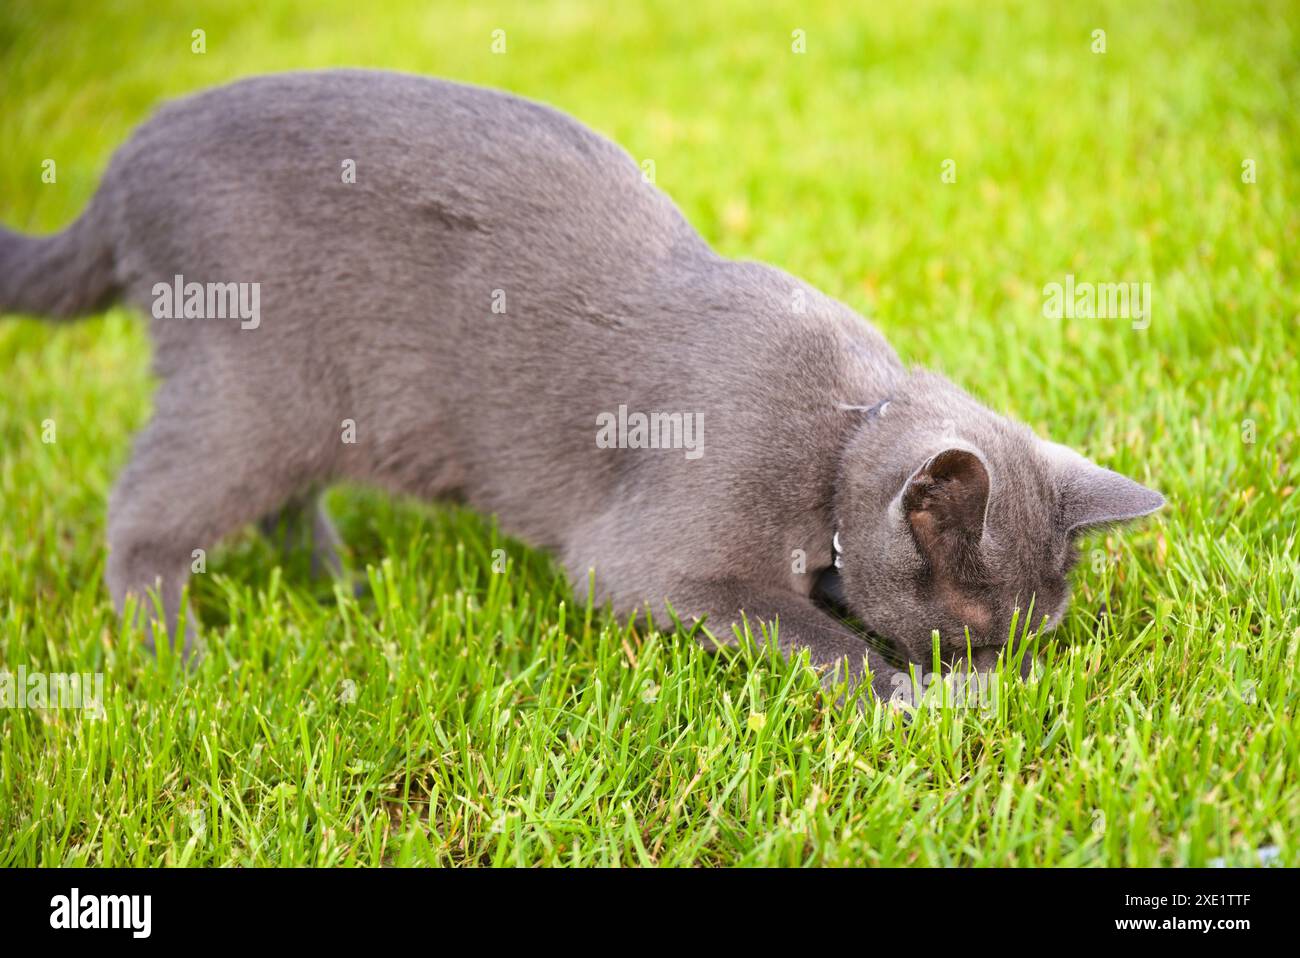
{"x": 195, "y": 475}
{"x": 304, "y": 523}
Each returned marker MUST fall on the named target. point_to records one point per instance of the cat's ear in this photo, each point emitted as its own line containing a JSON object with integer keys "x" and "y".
{"x": 945, "y": 501}
{"x": 1091, "y": 496}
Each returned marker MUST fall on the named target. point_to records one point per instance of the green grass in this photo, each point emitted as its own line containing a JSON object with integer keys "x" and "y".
{"x": 455, "y": 715}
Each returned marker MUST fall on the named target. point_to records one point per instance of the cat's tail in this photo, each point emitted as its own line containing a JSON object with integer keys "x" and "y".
{"x": 63, "y": 276}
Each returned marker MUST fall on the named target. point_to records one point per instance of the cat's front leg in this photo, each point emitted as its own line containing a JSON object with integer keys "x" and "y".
{"x": 833, "y": 649}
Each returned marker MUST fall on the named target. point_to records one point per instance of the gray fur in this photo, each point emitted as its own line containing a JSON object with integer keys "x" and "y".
{"x": 376, "y": 307}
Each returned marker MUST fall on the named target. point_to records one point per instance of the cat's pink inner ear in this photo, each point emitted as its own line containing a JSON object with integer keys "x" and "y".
{"x": 945, "y": 501}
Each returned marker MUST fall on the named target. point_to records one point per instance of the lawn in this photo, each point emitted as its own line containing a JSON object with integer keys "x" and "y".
{"x": 453, "y": 714}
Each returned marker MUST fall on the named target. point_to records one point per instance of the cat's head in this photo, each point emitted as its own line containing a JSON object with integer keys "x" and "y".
{"x": 952, "y": 518}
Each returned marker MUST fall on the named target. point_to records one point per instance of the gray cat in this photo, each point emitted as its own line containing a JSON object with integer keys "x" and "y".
{"x": 461, "y": 295}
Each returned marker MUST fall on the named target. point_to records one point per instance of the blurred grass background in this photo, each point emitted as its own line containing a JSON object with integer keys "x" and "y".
{"x": 1122, "y": 166}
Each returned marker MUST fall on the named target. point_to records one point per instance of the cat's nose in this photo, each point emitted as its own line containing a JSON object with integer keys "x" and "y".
{"x": 985, "y": 659}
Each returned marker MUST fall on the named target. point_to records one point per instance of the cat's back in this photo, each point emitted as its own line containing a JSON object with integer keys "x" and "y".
{"x": 367, "y": 158}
